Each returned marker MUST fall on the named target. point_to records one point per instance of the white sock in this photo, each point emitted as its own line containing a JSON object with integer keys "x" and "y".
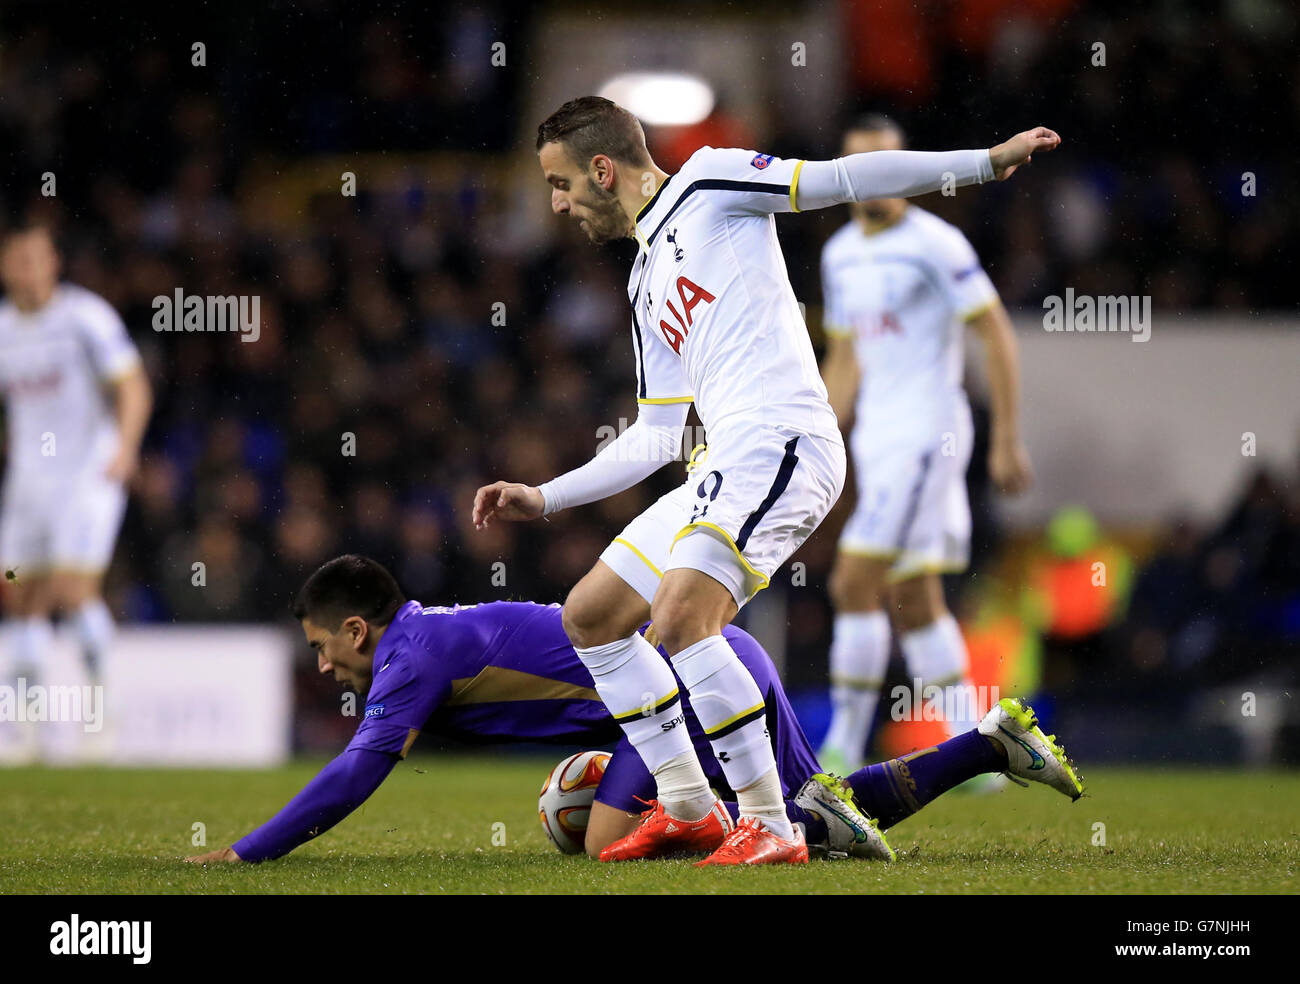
{"x": 639, "y": 690}
{"x": 680, "y": 792}
{"x": 765, "y": 801}
{"x": 33, "y": 636}
{"x": 733, "y": 713}
{"x": 859, "y": 657}
{"x": 936, "y": 653}
{"x": 95, "y": 629}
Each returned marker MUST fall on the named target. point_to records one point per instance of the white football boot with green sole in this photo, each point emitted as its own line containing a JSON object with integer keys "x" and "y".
{"x": 1030, "y": 753}
{"x": 849, "y": 830}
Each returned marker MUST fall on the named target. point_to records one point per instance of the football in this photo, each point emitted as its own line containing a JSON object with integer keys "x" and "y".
{"x": 565, "y": 801}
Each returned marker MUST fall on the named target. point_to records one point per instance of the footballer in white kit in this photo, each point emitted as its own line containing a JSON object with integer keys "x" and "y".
{"x": 726, "y": 333}
{"x": 714, "y": 322}
{"x": 901, "y": 288}
{"x": 76, "y": 403}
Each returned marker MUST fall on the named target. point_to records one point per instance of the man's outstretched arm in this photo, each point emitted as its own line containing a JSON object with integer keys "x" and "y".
{"x": 906, "y": 173}
{"x": 653, "y": 440}
{"x": 337, "y": 790}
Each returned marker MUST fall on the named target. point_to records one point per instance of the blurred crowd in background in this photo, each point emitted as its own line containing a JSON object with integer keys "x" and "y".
{"x": 379, "y": 338}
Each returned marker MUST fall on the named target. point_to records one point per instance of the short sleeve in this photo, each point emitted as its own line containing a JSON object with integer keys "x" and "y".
{"x": 660, "y": 377}
{"x": 968, "y": 288}
{"x": 745, "y": 181}
{"x": 106, "y": 339}
{"x": 401, "y": 699}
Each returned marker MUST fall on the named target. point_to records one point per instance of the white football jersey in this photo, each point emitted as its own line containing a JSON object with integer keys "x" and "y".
{"x": 903, "y": 295}
{"x": 715, "y": 319}
{"x": 53, "y": 364}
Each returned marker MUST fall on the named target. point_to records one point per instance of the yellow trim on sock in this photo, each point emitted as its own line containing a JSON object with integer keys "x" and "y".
{"x": 856, "y": 683}
{"x": 656, "y": 707}
{"x": 733, "y": 719}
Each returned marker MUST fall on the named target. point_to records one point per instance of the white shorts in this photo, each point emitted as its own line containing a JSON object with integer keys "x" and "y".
{"x": 71, "y": 528}
{"x": 912, "y": 506}
{"x": 746, "y": 506}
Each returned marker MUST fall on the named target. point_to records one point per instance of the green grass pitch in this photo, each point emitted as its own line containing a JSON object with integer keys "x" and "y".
{"x": 438, "y": 823}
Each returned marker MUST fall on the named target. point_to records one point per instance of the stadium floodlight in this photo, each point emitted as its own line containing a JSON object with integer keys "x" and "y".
{"x": 661, "y": 98}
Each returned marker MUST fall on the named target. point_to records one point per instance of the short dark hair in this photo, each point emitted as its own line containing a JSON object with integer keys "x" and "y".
{"x": 26, "y": 224}
{"x": 593, "y": 125}
{"x": 876, "y": 123}
{"x": 346, "y": 586}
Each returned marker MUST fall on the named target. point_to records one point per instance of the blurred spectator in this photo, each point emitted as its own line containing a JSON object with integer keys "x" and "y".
{"x": 1210, "y": 607}
{"x": 1078, "y": 587}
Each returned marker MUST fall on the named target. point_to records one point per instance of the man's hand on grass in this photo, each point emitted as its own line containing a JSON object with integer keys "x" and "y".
{"x": 212, "y": 857}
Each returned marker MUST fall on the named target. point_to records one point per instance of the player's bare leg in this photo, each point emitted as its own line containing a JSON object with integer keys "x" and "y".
{"x": 602, "y": 608}
{"x": 934, "y": 648}
{"x": 917, "y": 602}
{"x": 79, "y": 595}
{"x": 607, "y": 825}
{"x": 859, "y": 656}
{"x": 690, "y": 606}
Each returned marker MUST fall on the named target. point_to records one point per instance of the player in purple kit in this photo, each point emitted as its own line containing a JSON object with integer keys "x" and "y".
{"x": 506, "y": 672}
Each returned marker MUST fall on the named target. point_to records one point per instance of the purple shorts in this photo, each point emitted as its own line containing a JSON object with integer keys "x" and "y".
{"x": 626, "y": 777}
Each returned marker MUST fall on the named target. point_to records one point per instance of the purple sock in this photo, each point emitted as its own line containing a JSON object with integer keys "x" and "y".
{"x": 814, "y": 826}
{"x": 894, "y": 790}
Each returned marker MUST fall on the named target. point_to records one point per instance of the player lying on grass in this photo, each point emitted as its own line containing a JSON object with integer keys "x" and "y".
{"x": 506, "y": 672}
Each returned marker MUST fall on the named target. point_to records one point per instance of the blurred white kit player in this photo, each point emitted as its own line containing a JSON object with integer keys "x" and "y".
{"x": 61, "y": 512}
{"x": 901, "y": 286}
{"x": 76, "y": 402}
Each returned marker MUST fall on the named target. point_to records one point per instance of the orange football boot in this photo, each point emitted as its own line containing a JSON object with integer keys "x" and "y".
{"x": 752, "y": 843}
{"x": 659, "y": 834}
